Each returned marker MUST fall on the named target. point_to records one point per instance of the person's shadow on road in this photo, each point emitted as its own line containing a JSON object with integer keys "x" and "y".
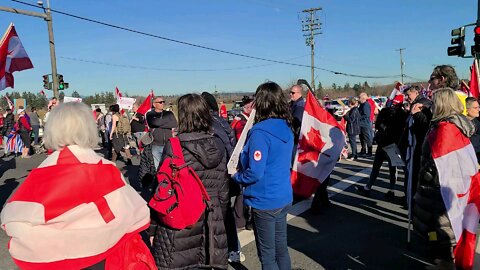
{"x": 9, "y": 185}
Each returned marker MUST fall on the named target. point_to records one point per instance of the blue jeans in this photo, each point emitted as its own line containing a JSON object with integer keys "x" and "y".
{"x": 271, "y": 238}
{"x": 352, "y": 139}
{"x": 157, "y": 151}
{"x": 35, "y": 129}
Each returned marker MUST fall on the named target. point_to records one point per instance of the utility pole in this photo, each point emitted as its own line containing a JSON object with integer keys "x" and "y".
{"x": 311, "y": 24}
{"x": 47, "y": 16}
{"x": 401, "y": 62}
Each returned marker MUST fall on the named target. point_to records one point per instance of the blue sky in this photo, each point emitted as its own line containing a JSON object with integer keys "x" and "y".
{"x": 359, "y": 37}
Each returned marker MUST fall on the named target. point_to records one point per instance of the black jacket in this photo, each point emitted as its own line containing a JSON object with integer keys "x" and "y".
{"x": 138, "y": 126}
{"x": 205, "y": 244}
{"x": 475, "y": 139}
{"x": 8, "y": 123}
{"x": 390, "y": 124}
{"x": 353, "y": 121}
{"x": 162, "y": 124}
{"x": 297, "y": 108}
{"x": 224, "y": 131}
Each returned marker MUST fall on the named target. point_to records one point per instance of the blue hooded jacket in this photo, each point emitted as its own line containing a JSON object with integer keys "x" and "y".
{"x": 265, "y": 165}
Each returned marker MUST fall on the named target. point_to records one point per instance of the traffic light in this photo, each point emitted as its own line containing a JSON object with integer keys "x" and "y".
{"x": 458, "y": 38}
{"x": 45, "y": 82}
{"x": 476, "y": 39}
{"x": 61, "y": 84}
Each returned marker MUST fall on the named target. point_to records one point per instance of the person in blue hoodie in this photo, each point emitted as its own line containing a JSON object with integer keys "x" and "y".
{"x": 265, "y": 175}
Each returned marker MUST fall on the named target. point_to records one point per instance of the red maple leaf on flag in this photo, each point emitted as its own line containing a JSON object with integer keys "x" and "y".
{"x": 310, "y": 147}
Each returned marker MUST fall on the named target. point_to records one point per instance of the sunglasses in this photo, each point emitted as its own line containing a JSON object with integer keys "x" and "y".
{"x": 161, "y": 102}
{"x": 293, "y": 93}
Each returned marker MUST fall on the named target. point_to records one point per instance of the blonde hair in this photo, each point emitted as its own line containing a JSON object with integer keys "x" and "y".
{"x": 446, "y": 103}
{"x": 70, "y": 123}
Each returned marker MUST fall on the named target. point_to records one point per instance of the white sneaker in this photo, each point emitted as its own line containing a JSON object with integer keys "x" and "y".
{"x": 236, "y": 256}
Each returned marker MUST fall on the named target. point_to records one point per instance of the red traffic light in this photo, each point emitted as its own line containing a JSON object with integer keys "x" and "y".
{"x": 477, "y": 30}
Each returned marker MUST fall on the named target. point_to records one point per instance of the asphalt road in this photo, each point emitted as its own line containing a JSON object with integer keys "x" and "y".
{"x": 355, "y": 232}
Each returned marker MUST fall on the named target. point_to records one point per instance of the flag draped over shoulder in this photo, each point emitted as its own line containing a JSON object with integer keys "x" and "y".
{"x": 458, "y": 175}
{"x": 13, "y": 57}
{"x": 147, "y": 104}
{"x": 320, "y": 144}
{"x": 72, "y": 212}
{"x": 474, "y": 91}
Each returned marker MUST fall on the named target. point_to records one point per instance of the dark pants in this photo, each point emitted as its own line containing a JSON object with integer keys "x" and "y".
{"x": 231, "y": 230}
{"x": 352, "y": 139}
{"x": 35, "y": 130}
{"x": 321, "y": 195}
{"x": 380, "y": 157}
{"x": 365, "y": 138}
{"x": 271, "y": 238}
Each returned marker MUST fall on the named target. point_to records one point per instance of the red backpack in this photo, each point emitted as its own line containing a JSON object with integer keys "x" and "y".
{"x": 180, "y": 198}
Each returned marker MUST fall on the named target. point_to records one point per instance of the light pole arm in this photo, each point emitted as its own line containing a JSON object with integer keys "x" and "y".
{"x": 23, "y": 12}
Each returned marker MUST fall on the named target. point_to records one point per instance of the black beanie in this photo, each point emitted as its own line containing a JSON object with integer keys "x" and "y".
{"x": 211, "y": 101}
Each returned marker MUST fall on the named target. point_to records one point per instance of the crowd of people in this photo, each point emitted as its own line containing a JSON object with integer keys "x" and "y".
{"x": 111, "y": 227}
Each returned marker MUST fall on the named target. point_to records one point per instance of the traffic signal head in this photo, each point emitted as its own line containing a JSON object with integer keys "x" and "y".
{"x": 458, "y": 39}
{"x": 476, "y": 39}
{"x": 45, "y": 81}
{"x": 61, "y": 84}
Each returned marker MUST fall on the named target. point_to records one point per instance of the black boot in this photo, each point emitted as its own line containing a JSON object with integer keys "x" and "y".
{"x": 369, "y": 153}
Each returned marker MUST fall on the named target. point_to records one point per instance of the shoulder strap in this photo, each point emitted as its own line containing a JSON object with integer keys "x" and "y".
{"x": 176, "y": 148}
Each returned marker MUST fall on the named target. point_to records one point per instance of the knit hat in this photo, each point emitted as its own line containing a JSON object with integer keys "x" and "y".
{"x": 211, "y": 101}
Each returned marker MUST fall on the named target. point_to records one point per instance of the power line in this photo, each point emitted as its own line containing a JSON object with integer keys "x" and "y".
{"x": 169, "y": 69}
{"x": 204, "y": 47}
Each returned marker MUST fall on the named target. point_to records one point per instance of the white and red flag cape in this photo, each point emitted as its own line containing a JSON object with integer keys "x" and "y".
{"x": 147, "y": 104}
{"x": 458, "y": 175}
{"x": 320, "y": 143}
{"x": 73, "y": 211}
{"x": 13, "y": 57}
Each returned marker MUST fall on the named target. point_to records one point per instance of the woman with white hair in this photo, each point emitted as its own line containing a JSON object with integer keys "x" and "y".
{"x": 75, "y": 211}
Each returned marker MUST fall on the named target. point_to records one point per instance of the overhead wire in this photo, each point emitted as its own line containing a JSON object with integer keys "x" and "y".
{"x": 205, "y": 47}
{"x": 170, "y": 69}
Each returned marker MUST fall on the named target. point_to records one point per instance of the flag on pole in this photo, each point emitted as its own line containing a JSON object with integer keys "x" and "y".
{"x": 9, "y": 102}
{"x": 396, "y": 90}
{"x": 42, "y": 93}
{"x": 118, "y": 94}
{"x": 320, "y": 144}
{"x": 13, "y": 57}
{"x": 474, "y": 91}
{"x": 458, "y": 175}
{"x": 147, "y": 104}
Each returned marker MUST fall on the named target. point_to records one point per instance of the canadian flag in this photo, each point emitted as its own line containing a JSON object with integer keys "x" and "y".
{"x": 458, "y": 175}
{"x": 321, "y": 141}
{"x": 118, "y": 94}
{"x": 42, "y": 93}
{"x": 474, "y": 91}
{"x": 396, "y": 90}
{"x": 13, "y": 57}
{"x": 56, "y": 220}
{"x": 147, "y": 104}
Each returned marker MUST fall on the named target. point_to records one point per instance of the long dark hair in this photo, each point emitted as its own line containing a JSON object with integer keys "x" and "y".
{"x": 270, "y": 102}
{"x": 193, "y": 114}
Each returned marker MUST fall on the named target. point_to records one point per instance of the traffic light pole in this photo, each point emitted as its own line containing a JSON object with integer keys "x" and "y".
{"x": 53, "y": 59}
{"x": 312, "y": 26}
{"x": 47, "y": 16}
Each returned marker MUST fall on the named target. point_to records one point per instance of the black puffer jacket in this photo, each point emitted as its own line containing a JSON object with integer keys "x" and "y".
{"x": 205, "y": 244}
{"x": 429, "y": 212}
